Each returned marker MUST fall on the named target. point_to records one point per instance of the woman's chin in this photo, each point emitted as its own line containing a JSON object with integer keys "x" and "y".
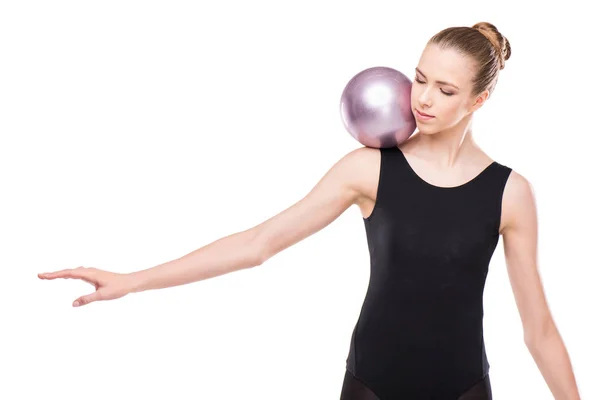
{"x": 426, "y": 129}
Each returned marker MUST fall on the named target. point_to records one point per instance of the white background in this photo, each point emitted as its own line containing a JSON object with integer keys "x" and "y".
{"x": 134, "y": 132}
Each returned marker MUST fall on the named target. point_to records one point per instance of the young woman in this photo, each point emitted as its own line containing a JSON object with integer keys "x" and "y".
{"x": 433, "y": 208}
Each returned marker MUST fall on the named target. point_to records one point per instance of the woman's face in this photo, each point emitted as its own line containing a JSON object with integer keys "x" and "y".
{"x": 442, "y": 88}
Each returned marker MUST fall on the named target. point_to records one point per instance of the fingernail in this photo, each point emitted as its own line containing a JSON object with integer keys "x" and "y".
{"x": 76, "y": 303}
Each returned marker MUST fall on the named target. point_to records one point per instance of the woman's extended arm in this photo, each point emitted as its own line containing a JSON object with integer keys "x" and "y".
{"x": 332, "y": 195}
{"x": 337, "y": 190}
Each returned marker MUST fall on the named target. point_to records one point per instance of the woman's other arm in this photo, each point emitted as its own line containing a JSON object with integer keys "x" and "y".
{"x": 520, "y": 237}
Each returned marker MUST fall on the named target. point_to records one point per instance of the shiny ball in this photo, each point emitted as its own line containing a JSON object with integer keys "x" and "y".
{"x": 376, "y": 109}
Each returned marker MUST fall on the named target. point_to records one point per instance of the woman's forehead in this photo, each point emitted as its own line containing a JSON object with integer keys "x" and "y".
{"x": 446, "y": 65}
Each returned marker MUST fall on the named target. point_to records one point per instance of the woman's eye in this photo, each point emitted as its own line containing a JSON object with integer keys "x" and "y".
{"x": 446, "y": 93}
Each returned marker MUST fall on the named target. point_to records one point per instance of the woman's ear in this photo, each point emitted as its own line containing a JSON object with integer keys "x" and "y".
{"x": 479, "y": 100}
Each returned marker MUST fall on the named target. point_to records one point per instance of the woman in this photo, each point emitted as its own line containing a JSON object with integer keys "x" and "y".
{"x": 434, "y": 208}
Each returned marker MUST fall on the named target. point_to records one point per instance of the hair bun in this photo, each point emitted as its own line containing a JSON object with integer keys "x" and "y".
{"x": 500, "y": 43}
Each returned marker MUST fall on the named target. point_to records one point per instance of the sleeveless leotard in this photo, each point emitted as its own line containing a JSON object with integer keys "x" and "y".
{"x": 419, "y": 334}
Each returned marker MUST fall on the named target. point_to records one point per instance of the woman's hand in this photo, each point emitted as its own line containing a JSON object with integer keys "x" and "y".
{"x": 109, "y": 285}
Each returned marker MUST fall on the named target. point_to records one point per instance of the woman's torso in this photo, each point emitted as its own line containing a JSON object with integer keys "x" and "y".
{"x": 419, "y": 332}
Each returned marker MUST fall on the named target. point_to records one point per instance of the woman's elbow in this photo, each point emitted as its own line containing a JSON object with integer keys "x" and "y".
{"x": 258, "y": 248}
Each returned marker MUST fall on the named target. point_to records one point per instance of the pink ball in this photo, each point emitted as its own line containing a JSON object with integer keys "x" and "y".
{"x": 376, "y": 109}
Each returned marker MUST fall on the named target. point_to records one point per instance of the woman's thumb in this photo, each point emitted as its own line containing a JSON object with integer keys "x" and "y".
{"x": 83, "y": 300}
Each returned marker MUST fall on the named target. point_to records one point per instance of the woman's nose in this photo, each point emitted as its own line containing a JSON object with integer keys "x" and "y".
{"x": 425, "y": 98}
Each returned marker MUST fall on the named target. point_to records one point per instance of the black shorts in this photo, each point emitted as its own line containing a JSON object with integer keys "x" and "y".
{"x": 353, "y": 389}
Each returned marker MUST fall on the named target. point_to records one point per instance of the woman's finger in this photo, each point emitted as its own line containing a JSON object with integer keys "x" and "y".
{"x": 77, "y": 273}
{"x": 87, "y": 299}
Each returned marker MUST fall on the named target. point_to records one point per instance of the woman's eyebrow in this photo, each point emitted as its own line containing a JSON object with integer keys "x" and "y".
{"x": 440, "y": 82}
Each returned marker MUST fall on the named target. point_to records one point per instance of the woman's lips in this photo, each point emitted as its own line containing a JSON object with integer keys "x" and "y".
{"x": 423, "y": 117}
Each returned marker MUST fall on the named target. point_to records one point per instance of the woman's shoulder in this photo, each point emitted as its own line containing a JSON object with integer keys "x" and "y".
{"x": 518, "y": 197}
{"x": 362, "y": 165}
{"x": 363, "y": 169}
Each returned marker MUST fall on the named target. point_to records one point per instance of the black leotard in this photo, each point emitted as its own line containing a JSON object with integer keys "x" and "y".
{"x": 419, "y": 334}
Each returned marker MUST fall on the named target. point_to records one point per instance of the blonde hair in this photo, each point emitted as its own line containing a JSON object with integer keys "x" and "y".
{"x": 484, "y": 44}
